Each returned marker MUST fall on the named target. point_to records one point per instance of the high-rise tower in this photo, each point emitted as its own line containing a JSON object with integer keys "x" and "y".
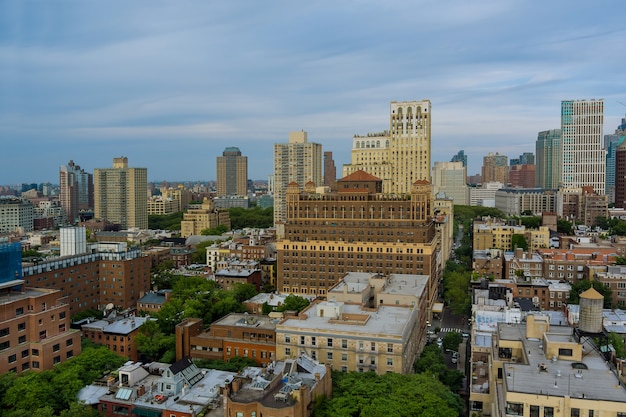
{"x": 584, "y": 159}
{"x": 232, "y": 173}
{"x": 298, "y": 161}
{"x": 76, "y": 190}
{"x": 495, "y": 168}
{"x": 401, "y": 155}
{"x": 121, "y": 194}
{"x": 548, "y": 150}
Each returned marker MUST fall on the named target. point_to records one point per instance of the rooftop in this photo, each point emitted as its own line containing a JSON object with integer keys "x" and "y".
{"x": 558, "y": 377}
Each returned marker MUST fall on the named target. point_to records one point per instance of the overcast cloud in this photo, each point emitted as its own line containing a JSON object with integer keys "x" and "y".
{"x": 170, "y": 84}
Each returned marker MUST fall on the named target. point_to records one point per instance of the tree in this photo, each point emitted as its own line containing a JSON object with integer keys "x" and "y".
{"x": 519, "y": 241}
{"x": 252, "y": 217}
{"x": 531, "y": 222}
{"x": 215, "y": 231}
{"x": 564, "y": 227}
{"x": 293, "y": 303}
{"x": 581, "y": 286}
{"x": 371, "y": 395}
{"x": 151, "y": 342}
{"x": 243, "y": 292}
{"x": 452, "y": 340}
{"x": 456, "y": 291}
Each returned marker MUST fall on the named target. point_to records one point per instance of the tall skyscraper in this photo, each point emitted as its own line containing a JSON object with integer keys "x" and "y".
{"x": 495, "y": 168}
{"x": 401, "y": 155}
{"x": 620, "y": 175}
{"x": 232, "y": 173}
{"x": 460, "y": 157}
{"x": 121, "y": 194}
{"x": 451, "y": 179}
{"x": 76, "y": 191}
{"x": 298, "y": 161}
{"x": 611, "y": 143}
{"x": 583, "y": 158}
{"x": 548, "y": 151}
{"x": 330, "y": 170}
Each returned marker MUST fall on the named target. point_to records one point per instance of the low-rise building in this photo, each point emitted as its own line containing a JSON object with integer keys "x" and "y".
{"x": 351, "y": 337}
{"x": 287, "y": 388}
{"x": 237, "y": 334}
{"x": 152, "y": 301}
{"x": 117, "y": 334}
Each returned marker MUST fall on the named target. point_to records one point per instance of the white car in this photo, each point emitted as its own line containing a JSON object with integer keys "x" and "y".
{"x": 455, "y": 357}
{"x": 439, "y": 342}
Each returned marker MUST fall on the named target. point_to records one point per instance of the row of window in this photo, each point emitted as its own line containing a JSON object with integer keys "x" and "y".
{"x": 362, "y": 345}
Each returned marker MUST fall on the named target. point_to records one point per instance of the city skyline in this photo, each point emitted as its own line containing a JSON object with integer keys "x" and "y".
{"x": 170, "y": 86}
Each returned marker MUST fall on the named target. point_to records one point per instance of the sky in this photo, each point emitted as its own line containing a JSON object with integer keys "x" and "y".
{"x": 171, "y": 84}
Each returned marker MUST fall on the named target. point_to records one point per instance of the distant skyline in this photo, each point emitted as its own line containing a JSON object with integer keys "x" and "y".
{"x": 170, "y": 85}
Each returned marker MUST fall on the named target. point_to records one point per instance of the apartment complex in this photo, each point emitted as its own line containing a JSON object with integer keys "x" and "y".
{"x": 356, "y": 229}
{"x": 495, "y": 168}
{"x": 539, "y": 369}
{"x": 117, "y": 334}
{"x": 451, "y": 178}
{"x": 352, "y": 337}
{"x": 401, "y": 155}
{"x": 583, "y": 157}
{"x": 76, "y": 190}
{"x": 494, "y": 234}
{"x": 330, "y": 170}
{"x": 205, "y": 216}
{"x": 515, "y": 201}
{"x": 16, "y": 215}
{"x": 113, "y": 274}
{"x": 548, "y": 152}
{"x": 297, "y": 161}
{"x": 232, "y": 173}
{"x": 121, "y": 194}
{"x": 237, "y": 334}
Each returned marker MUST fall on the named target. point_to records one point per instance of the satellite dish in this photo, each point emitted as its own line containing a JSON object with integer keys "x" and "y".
{"x": 109, "y": 306}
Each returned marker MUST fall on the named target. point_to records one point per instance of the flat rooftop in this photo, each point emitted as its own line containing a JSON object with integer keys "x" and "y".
{"x": 386, "y": 321}
{"x": 559, "y": 377}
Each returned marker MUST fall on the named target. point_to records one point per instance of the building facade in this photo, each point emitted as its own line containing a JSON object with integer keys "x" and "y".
{"x": 16, "y": 215}
{"x": 232, "y": 173}
{"x": 356, "y": 229}
{"x": 121, "y": 194}
{"x": 76, "y": 191}
{"x": 583, "y": 157}
{"x": 451, "y": 179}
{"x": 204, "y": 216}
{"x": 495, "y": 168}
{"x": 548, "y": 152}
{"x": 297, "y": 161}
{"x": 401, "y": 155}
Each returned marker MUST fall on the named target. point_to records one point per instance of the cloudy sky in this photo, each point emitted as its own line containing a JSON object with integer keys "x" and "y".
{"x": 170, "y": 84}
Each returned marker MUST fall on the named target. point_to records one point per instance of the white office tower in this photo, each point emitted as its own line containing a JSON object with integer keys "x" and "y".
{"x": 584, "y": 159}
{"x": 73, "y": 240}
{"x": 451, "y": 179}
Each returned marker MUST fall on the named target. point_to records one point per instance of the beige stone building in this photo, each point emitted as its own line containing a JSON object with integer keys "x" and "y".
{"x": 297, "y": 161}
{"x": 401, "y": 155}
{"x": 495, "y": 234}
{"x": 352, "y": 337}
{"x": 541, "y": 370}
{"x": 121, "y": 194}
{"x": 206, "y": 216}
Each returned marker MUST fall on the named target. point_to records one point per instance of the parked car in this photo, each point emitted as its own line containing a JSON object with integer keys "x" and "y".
{"x": 439, "y": 342}
{"x": 455, "y": 357}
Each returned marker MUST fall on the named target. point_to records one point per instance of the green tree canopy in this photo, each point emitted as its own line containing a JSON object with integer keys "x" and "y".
{"x": 165, "y": 221}
{"x": 581, "y": 286}
{"x": 294, "y": 303}
{"x": 519, "y": 241}
{"x": 252, "y": 217}
{"x": 391, "y": 394}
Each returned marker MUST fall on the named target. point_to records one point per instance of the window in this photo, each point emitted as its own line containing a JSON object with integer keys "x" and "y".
{"x": 565, "y": 352}
{"x": 344, "y": 357}
{"x": 548, "y": 411}
{"x": 36, "y": 364}
{"x": 389, "y": 361}
{"x": 25, "y": 353}
{"x": 288, "y": 352}
{"x": 4, "y": 332}
{"x": 21, "y": 339}
{"x": 4, "y": 345}
{"x": 344, "y": 344}
{"x": 329, "y": 356}
{"x": 21, "y": 327}
{"x": 19, "y": 311}
{"x": 12, "y": 358}
{"x": 515, "y": 409}
{"x": 575, "y": 412}
{"x": 313, "y": 340}
{"x": 56, "y": 347}
{"x": 301, "y": 340}
{"x": 25, "y": 366}
{"x": 389, "y": 347}
{"x": 69, "y": 342}
{"x": 35, "y": 352}
{"x": 329, "y": 342}
{"x": 56, "y": 359}
{"x": 287, "y": 338}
